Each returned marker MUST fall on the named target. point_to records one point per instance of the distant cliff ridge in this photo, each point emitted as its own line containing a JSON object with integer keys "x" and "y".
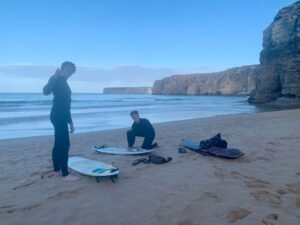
{"x": 235, "y": 81}
{"x": 280, "y": 58}
{"x": 127, "y": 90}
{"x": 276, "y": 78}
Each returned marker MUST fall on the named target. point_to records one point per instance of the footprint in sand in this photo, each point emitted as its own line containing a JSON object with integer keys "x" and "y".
{"x": 251, "y": 182}
{"x": 273, "y": 198}
{"x": 34, "y": 174}
{"x": 263, "y": 158}
{"x": 66, "y": 194}
{"x": 237, "y": 214}
{"x": 26, "y": 184}
{"x": 127, "y": 177}
{"x": 289, "y": 138}
{"x": 5, "y": 208}
{"x": 144, "y": 167}
{"x": 281, "y": 191}
{"x": 25, "y": 208}
{"x": 245, "y": 160}
{"x": 47, "y": 174}
{"x": 253, "y": 158}
{"x": 270, "y": 150}
{"x": 270, "y": 219}
{"x": 186, "y": 222}
{"x": 220, "y": 174}
{"x": 210, "y": 196}
{"x": 30, "y": 207}
{"x": 256, "y": 183}
{"x": 236, "y": 174}
{"x": 294, "y": 187}
{"x": 298, "y": 202}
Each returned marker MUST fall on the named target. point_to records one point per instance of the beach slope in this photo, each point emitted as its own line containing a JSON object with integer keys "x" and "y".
{"x": 261, "y": 188}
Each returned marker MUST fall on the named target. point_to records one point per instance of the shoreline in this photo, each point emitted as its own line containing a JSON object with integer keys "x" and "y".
{"x": 28, "y": 115}
{"x": 263, "y": 187}
{"x": 261, "y": 110}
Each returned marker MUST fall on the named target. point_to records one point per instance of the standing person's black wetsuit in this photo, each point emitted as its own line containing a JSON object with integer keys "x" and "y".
{"x": 143, "y": 128}
{"x": 61, "y": 118}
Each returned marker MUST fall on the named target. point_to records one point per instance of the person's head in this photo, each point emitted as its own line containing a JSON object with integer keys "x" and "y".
{"x": 67, "y": 69}
{"x": 135, "y": 116}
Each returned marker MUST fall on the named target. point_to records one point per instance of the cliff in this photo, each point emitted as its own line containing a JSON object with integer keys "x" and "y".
{"x": 280, "y": 58}
{"x": 235, "y": 81}
{"x": 276, "y": 78}
{"x": 127, "y": 90}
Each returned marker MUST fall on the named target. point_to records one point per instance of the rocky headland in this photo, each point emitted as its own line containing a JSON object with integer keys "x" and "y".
{"x": 276, "y": 80}
{"x": 235, "y": 81}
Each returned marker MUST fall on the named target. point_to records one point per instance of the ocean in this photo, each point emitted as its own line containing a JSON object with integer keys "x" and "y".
{"x": 26, "y": 115}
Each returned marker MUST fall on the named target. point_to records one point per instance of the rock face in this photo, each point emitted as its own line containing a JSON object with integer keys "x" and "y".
{"x": 235, "y": 81}
{"x": 280, "y": 58}
{"x": 276, "y": 78}
{"x": 127, "y": 90}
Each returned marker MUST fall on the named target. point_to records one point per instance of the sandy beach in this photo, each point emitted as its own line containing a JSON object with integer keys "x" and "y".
{"x": 263, "y": 187}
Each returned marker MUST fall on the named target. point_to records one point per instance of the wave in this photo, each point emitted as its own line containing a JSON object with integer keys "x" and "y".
{"x": 16, "y": 120}
{"x": 28, "y": 114}
{"x": 42, "y": 102}
{"x": 18, "y": 103}
{"x": 169, "y": 99}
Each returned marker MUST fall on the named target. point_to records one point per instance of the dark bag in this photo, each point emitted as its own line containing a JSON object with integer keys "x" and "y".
{"x": 155, "y": 159}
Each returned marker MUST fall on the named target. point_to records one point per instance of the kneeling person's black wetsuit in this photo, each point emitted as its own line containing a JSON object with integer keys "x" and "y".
{"x": 143, "y": 128}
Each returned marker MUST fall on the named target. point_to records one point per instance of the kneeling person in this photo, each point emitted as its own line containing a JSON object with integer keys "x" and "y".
{"x": 141, "y": 128}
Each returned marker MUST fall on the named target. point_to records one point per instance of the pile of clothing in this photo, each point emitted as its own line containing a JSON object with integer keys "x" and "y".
{"x": 214, "y": 146}
{"x": 216, "y": 141}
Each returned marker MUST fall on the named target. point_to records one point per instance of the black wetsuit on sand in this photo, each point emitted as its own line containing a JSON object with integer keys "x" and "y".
{"x": 142, "y": 129}
{"x": 60, "y": 117}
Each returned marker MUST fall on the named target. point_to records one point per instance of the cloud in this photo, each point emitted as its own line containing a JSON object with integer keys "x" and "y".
{"x": 31, "y": 78}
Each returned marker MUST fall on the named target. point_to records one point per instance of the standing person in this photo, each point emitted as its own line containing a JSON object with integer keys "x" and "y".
{"x": 141, "y": 128}
{"x": 61, "y": 119}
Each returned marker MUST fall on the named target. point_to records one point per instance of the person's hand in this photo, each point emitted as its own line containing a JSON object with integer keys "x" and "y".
{"x": 72, "y": 128}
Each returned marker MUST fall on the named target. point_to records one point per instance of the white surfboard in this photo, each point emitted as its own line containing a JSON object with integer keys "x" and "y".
{"x": 93, "y": 168}
{"x": 121, "y": 151}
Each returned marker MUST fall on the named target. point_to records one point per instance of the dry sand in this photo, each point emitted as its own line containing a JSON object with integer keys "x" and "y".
{"x": 261, "y": 188}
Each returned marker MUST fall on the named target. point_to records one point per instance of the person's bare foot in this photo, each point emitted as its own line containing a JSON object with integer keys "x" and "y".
{"x": 155, "y": 145}
{"x": 133, "y": 148}
{"x": 57, "y": 173}
{"x": 70, "y": 178}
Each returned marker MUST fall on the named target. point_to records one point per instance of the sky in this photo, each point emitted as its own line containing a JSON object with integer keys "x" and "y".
{"x": 127, "y": 42}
